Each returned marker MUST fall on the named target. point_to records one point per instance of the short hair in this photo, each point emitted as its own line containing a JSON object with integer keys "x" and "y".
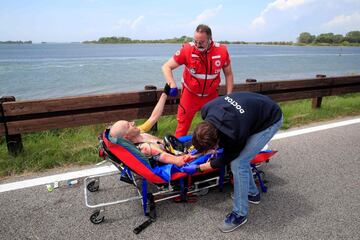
{"x": 204, "y": 28}
{"x": 205, "y": 136}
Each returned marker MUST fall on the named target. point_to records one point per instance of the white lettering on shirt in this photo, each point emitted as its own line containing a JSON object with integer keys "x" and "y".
{"x": 235, "y": 104}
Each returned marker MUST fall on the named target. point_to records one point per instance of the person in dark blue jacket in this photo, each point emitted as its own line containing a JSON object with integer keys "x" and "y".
{"x": 242, "y": 124}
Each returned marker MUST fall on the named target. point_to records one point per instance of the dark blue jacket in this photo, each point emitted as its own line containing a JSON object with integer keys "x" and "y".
{"x": 237, "y": 116}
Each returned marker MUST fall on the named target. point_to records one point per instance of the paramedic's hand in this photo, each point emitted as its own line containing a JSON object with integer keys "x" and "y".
{"x": 190, "y": 169}
{"x": 172, "y": 92}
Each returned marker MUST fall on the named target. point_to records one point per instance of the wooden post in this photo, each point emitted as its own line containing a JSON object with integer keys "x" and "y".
{"x": 13, "y": 142}
{"x": 251, "y": 80}
{"x": 152, "y": 88}
{"x": 316, "y": 102}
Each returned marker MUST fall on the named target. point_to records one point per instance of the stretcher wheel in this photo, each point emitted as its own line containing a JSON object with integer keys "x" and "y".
{"x": 96, "y": 217}
{"x": 93, "y": 185}
{"x": 202, "y": 192}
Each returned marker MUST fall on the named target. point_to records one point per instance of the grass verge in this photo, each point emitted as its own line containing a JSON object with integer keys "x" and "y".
{"x": 78, "y": 146}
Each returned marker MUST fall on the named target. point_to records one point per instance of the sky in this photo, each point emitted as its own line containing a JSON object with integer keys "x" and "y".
{"x": 232, "y": 20}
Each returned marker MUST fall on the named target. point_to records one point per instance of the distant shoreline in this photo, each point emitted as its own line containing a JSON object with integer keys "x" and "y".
{"x": 244, "y": 43}
{"x": 351, "y": 38}
{"x": 271, "y": 43}
{"x": 184, "y": 39}
{"x": 305, "y": 39}
{"x": 15, "y": 42}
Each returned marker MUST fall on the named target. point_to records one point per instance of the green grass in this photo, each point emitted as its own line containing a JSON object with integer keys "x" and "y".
{"x": 78, "y": 146}
{"x": 297, "y": 113}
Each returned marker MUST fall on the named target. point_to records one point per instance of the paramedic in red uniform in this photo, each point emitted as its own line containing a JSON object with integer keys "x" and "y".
{"x": 203, "y": 60}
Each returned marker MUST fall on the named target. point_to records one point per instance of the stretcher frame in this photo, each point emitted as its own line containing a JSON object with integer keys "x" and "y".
{"x": 165, "y": 191}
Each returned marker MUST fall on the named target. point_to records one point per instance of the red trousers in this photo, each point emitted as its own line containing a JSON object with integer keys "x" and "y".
{"x": 190, "y": 103}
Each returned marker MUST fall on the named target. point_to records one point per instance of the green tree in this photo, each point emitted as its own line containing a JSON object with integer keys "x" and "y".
{"x": 306, "y": 38}
{"x": 353, "y": 37}
{"x": 185, "y": 39}
{"x": 325, "y": 38}
{"x": 338, "y": 38}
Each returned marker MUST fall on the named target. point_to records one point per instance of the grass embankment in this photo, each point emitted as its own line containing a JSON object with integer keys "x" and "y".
{"x": 78, "y": 146}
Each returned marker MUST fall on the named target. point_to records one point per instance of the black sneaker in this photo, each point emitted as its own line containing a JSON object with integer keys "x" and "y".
{"x": 232, "y": 222}
{"x": 254, "y": 199}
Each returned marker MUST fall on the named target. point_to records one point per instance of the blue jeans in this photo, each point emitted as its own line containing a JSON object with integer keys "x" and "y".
{"x": 244, "y": 184}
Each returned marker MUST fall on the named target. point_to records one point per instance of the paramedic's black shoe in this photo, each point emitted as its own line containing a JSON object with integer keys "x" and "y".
{"x": 232, "y": 222}
{"x": 254, "y": 199}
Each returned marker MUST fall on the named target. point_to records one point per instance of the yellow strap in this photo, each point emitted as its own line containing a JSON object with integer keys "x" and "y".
{"x": 146, "y": 126}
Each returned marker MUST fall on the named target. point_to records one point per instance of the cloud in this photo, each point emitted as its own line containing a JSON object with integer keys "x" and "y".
{"x": 278, "y": 5}
{"x": 285, "y": 20}
{"x": 206, "y": 14}
{"x": 258, "y": 22}
{"x": 347, "y": 22}
{"x": 126, "y": 23}
{"x": 136, "y": 22}
{"x": 285, "y": 4}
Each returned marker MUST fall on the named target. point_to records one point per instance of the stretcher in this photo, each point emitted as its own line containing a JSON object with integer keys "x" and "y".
{"x": 168, "y": 180}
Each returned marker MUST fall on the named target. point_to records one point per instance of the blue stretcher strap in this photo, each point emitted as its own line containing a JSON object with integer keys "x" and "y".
{"x": 165, "y": 171}
{"x": 185, "y": 138}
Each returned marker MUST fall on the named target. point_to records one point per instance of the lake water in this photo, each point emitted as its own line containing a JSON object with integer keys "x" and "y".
{"x": 37, "y": 71}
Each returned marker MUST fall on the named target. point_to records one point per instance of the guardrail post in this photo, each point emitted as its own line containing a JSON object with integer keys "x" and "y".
{"x": 250, "y": 80}
{"x": 13, "y": 142}
{"x": 152, "y": 88}
{"x": 316, "y": 102}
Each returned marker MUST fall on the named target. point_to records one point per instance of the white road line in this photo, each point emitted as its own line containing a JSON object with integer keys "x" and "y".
{"x": 315, "y": 129}
{"x": 107, "y": 169}
{"x": 56, "y": 178}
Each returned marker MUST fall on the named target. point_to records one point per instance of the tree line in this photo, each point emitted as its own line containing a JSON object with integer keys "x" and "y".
{"x": 182, "y": 39}
{"x": 104, "y": 40}
{"x": 351, "y": 38}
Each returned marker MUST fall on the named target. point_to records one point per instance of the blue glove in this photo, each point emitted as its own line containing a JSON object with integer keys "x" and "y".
{"x": 173, "y": 92}
{"x": 189, "y": 169}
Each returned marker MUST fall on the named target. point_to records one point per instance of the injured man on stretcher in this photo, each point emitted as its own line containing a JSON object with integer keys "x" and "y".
{"x": 149, "y": 145}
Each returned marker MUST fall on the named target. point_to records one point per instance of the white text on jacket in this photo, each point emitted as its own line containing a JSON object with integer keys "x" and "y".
{"x": 234, "y": 103}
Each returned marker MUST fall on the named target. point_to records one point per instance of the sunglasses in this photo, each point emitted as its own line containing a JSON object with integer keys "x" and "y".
{"x": 199, "y": 43}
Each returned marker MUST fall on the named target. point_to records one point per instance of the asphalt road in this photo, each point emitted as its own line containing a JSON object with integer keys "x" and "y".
{"x": 313, "y": 193}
